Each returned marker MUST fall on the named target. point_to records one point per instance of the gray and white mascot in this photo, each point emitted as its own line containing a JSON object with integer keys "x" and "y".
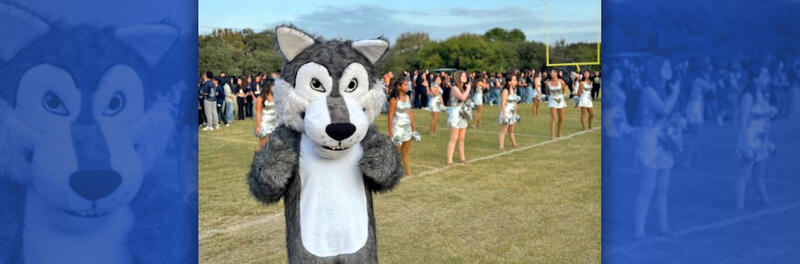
{"x": 326, "y": 158}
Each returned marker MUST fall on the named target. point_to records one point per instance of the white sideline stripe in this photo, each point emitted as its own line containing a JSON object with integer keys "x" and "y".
{"x": 507, "y": 152}
{"x": 238, "y": 227}
{"x": 424, "y": 166}
{"x": 229, "y": 139}
{"x": 270, "y": 217}
{"x": 705, "y": 227}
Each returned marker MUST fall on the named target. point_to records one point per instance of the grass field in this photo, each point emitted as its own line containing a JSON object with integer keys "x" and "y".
{"x": 538, "y": 203}
{"x": 705, "y": 226}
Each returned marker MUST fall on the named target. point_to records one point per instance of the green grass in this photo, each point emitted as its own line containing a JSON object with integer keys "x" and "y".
{"x": 534, "y": 205}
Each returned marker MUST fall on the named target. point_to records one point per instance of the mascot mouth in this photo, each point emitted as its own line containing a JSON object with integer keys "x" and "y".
{"x": 336, "y": 148}
{"x": 86, "y": 214}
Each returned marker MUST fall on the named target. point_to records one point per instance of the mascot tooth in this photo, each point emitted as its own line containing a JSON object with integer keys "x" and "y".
{"x": 326, "y": 158}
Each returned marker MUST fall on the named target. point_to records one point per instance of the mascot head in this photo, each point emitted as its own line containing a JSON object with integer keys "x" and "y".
{"x": 81, "y": 93}
{"x": 329, "y": 89}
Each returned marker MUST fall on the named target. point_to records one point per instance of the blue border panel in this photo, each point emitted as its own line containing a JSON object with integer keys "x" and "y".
{"x": 98, "y": 142}
{"x": 701, "y": 117}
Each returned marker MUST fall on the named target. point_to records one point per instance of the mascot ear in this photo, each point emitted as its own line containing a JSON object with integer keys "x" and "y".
{"x": 149, "y": 41}
{"x": 373, "y": 49}
{"x": 19, "y": 29}
{"x": 292, "y": 41}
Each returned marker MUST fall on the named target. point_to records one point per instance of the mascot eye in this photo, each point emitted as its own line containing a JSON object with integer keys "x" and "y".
{"x": 352, "y": 85}
{"x": 53, "y": 104}
{"x": 317, "y": 85}
{"x": 116, "y": 105}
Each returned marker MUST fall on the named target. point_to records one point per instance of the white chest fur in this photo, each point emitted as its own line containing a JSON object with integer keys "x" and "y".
{"x": 46, "y": 241}
{"x": 333, "y": 202}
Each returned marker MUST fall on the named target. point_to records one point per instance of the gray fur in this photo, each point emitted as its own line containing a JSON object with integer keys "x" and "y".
{"x": 381, "y": 163}
{"x": 337, "y": 109}
{"x": 335, "y": 55}
{"x": 274, "y": 165}
{"x": 274, "y": 174}
{"x": 275, "y": 170}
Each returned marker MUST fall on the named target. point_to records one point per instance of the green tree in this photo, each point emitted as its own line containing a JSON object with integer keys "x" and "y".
{"x": 245, "y": 51}
{"x": 496, "y": 34}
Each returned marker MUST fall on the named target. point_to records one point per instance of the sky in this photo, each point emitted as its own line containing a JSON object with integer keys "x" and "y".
{"x": 573, "y": 20}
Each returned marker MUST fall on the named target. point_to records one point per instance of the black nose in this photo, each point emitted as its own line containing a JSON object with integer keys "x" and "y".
{"x": 94, "y": 184}
{"x": 340, "y": 131}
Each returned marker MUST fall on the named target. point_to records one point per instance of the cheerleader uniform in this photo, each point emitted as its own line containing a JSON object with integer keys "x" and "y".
{"x": 269, "y": 120}
{"x": 478, "y": 96}
{"x": 511, "y": 104}
{"x": 586, "y": 96}
{"x": 575, "y": 99}
{"x": 754, "y": 143}
{"x": 401, "y": 123}
{"x": 556, "y": 97}
{"x": 435, "y": 104}
{"x": 454, "y": 118}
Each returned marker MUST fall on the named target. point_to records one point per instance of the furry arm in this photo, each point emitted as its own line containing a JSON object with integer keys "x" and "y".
{"x": 381, "y": 162}
{"x": 274, "y": 165}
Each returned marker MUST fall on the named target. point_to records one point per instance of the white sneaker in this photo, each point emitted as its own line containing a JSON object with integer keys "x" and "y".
{"x": 228, "y": 124}
{"x": 206, "y": 128}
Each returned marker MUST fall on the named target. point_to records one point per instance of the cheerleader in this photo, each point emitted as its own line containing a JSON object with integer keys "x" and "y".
{"x": 459, "y": 93}
{"x": 576, "y": 83}
{"x": 537, "y": 92}
{"x": 556, "y": 101}
{"x": 754, "y": 145}
{"x": 266, "y": 118}
{"x": 508, "y": 111}
{"x": 401, "y": 120}
{"x": 480, "y": 86}
{"x": 436, "y": 104}
{"x": 656, "y": 161}
{"x": 585, "y": 99}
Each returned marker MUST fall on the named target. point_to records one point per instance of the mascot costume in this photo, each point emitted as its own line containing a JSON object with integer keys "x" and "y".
{"x": 326, "y": 158}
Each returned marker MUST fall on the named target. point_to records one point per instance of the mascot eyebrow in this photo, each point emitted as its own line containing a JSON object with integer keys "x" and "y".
{"x": 326, "y": 158}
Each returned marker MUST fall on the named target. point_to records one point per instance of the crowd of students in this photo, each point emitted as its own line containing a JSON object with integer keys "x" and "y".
{"x": 460, "y": 94}
{"x": 222, "y": 97}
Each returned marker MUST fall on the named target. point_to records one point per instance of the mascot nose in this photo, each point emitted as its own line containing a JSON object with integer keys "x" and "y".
{"x": 340, "y": 131}
{"x": 94, "y": 184}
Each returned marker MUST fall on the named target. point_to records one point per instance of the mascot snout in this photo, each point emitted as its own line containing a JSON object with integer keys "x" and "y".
{"x": 334, "y": 124}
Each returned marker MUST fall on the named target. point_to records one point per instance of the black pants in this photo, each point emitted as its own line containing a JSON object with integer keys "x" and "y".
{"x": 240, "y": 102}
{"x": 249, "y": 107}
{"x": 221, "y": 113}
{"x": 201, "y": 115}
{"x": 419, "y": 98}
{"x": 595, "y": 92}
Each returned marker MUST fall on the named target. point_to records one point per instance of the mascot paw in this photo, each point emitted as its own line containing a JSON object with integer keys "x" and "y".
{"x": 381, "y": 162}
{"x": 274, "y": 165}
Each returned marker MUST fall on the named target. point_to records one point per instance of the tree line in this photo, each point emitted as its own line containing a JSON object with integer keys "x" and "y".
{"x": 247, "y": 51}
